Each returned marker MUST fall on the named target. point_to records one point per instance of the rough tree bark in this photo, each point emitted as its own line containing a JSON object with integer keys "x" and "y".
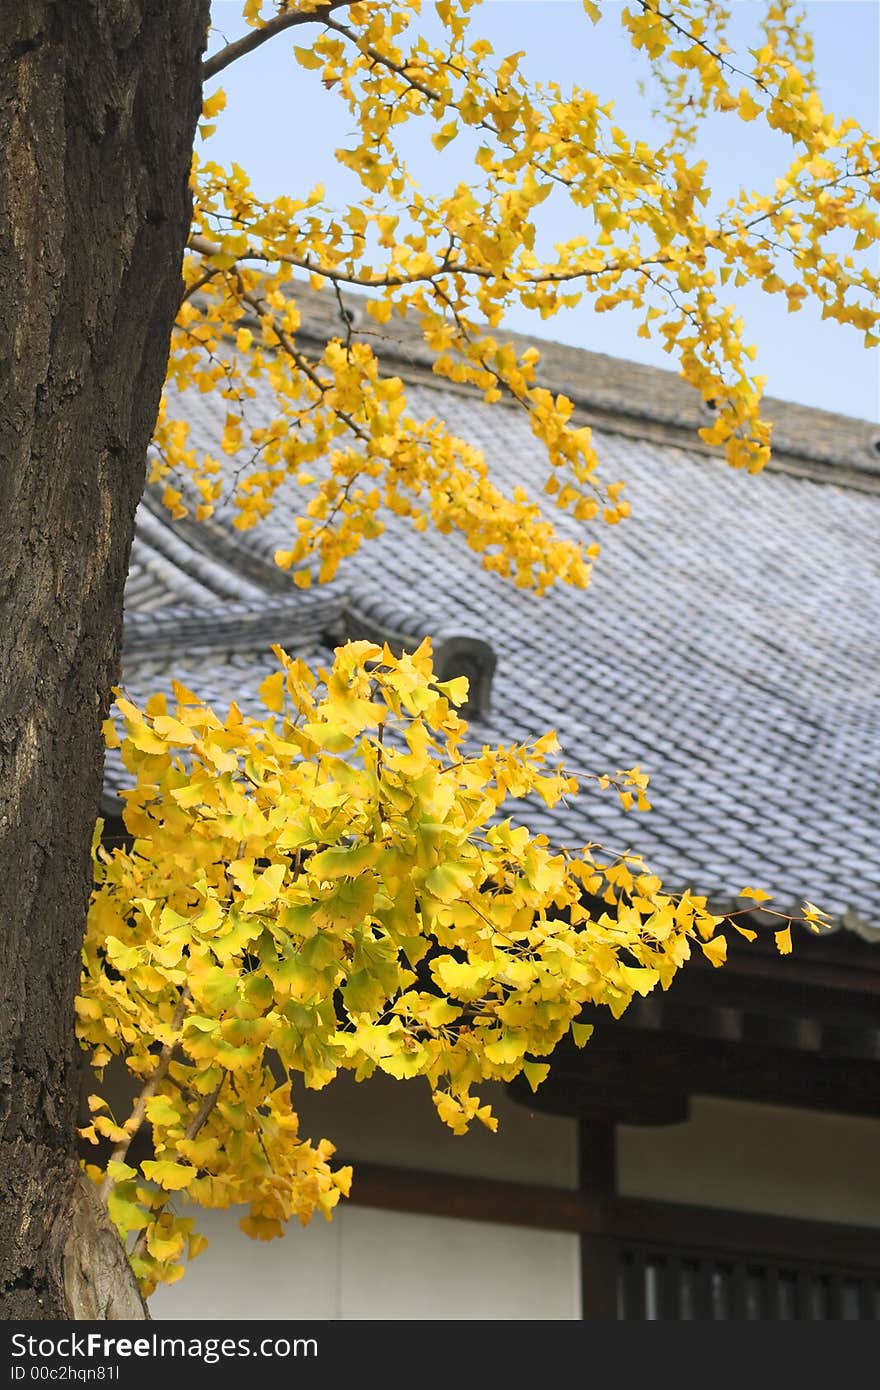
{"x": 98, "y": 104}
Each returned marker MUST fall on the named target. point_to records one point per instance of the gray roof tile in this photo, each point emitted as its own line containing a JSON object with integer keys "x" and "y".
{"x": 729, "y": 642}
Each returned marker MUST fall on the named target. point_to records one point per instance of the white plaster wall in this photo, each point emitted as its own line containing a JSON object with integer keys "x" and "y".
{"x": 236, "y": 1277}
{"x": 375, "y": 1265}
{"x": 368, "y": 1264}
{"x": 761, "y": 1158}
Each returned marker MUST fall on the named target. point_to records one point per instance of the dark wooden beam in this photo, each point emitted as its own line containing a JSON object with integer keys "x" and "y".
{"x": 629, "y": 1076}
{"x": 626, "y": 1219}
{"x": 597, "y": 1158}
{"x": 800, "y": 996}
{"x": 741, "y": 1233}
{"x": 597, "y": 1154}
{"x": 473, "y": 1199}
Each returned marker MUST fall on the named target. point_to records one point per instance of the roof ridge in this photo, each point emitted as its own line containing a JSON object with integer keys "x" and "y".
{"x": 243, "y": 625}
{"x": 214, "y": 549}
{"x": 619, "y": 390}
{"x": 154, "y": 527}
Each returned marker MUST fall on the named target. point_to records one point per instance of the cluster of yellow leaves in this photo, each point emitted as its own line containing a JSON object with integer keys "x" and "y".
{"x": 331, "y": 886}
{"x": 631, "y": 785}
{"x": 454, "y": 263}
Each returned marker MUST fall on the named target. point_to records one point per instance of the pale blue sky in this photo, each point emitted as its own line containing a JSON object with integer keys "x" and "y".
{"x": 282, "y": 126}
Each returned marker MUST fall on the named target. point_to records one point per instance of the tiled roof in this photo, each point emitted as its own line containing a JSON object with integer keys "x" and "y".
{"x": 730, "y": 641}
{"x": 647, "y": 402}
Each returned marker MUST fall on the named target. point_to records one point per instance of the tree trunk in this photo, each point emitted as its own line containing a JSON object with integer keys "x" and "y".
{"x": 98, "y": 105}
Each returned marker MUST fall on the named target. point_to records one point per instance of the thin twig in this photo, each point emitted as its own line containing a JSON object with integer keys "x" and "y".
{"x": 136, "y": 1118}
{"x": 218, "y": 61}
{"x": 264, "y": 310}
{"x": 382, "y": 60}
{"x": 192, "y": 1130}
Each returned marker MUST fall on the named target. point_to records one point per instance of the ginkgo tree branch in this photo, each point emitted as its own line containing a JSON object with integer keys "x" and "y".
{"x": 206, "y": 248}
{"x": 287, "y": 20}
{"x": 139, "y": 1111}
{"x": 292, "y": 821}
{"x": 205, "y": 279}
{"x": 263, "y": 310}
{"x": 698, "y": 42}
{"x": 384, "y": 61}
{"x": 191, "y": 1132}
{"x": 402, "y": 70}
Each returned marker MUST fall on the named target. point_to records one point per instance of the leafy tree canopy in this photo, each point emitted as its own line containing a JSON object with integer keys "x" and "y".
{"x": 332, "y": 885}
